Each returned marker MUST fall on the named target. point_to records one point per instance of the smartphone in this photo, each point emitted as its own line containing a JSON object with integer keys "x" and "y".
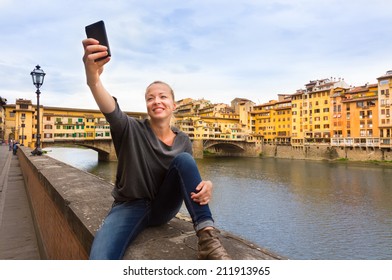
{"x": 97, "y": 31}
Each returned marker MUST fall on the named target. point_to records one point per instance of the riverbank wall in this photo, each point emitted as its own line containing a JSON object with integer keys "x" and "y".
{"x": 326, "y": 152}
{"x": 68, "y": 206}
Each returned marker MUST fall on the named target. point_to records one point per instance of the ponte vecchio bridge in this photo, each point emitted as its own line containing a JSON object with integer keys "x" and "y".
{"x": 106, "y": 151}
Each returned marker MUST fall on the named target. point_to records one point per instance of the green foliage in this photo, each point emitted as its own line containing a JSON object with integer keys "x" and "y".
{"x": 342, "y": 159}
{"x": 3, "y": 101}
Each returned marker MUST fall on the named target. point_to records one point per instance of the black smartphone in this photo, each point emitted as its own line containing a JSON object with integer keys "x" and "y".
{"x": 97, "y": 31}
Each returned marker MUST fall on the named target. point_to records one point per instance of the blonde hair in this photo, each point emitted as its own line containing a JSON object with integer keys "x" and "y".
{"x": 162, "y": 83}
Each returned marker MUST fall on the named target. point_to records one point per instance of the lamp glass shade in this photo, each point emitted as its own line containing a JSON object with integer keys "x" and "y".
{"x": 38, "y": 76}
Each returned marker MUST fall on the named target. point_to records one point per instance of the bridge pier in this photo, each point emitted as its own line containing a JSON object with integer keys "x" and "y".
{"x": 197, "y": 146}
{"x": 104, "y": 156}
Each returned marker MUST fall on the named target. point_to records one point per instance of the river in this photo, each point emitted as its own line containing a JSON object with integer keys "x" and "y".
{"x": 304, "y": 210}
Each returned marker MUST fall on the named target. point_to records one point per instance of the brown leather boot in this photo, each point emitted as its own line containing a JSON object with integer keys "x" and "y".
{"x": 210, "y": 247}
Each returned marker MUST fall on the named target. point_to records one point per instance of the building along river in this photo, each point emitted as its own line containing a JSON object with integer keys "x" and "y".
{"x": 298, "y": 209}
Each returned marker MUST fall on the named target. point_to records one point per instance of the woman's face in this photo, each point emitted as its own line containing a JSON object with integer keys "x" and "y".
{"x": 160, "y": 102}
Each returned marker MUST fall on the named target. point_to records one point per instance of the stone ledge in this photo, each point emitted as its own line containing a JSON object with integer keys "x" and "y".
{"x": 82, "y": 200}
{"x": 177, "y": 241}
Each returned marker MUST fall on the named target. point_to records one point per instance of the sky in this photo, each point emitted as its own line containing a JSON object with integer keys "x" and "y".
{"x": 217, "y": 50}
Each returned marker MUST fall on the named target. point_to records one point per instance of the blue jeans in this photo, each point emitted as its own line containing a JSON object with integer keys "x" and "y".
{"x": 127, "y": 219}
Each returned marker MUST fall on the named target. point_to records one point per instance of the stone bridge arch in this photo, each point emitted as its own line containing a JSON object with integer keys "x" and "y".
{"x": 232, "y": 148}
{"x": 104, "y": 147}
{"x": 224, "y": 147}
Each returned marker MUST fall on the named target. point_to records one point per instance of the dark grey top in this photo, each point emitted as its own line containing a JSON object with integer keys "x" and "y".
{"x": 143, "y": 159}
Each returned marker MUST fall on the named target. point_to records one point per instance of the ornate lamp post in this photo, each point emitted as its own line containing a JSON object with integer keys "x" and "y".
{"x": 38, "y": 79}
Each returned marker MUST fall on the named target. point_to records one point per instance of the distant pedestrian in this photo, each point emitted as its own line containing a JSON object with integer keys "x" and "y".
{"x": 15, "y": 147}
{"x": 156, "y": 172}
{"x": 11, "y": 145}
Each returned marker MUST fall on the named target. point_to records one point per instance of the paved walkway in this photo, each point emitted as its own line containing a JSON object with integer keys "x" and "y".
{"x": 17, "y": 235}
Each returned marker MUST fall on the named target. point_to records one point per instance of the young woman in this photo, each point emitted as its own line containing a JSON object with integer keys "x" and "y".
{"x": 156, "y": 172}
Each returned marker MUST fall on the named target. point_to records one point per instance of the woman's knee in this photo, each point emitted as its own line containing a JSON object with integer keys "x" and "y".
{"x": 187, "y": 169}
{"x": 184, "y": 159}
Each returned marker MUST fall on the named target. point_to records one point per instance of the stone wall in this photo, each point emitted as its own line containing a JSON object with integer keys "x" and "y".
{"x": 67, "y": 204}
{"x": 325, "y": 152}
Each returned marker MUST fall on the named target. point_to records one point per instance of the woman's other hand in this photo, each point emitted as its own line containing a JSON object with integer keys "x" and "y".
{"x": 203, "y": 193}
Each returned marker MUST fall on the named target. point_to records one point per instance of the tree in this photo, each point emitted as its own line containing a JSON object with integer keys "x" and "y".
{"x": 3, "y": 101}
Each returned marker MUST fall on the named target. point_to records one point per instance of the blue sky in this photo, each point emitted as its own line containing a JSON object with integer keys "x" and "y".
{"x": 217, "y": 50}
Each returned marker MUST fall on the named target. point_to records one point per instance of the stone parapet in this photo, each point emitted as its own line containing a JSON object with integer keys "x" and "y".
{"x": 69, "y": 205}
{"x": 326, "y": 152}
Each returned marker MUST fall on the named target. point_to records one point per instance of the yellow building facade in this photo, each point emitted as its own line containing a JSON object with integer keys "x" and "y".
{"x": 297, "y": 135}
{"x": 385, "y": 110}
{"x": 273, "y": 121}
{"x": 20, "y": 122}
{"x": 56, "y": 124}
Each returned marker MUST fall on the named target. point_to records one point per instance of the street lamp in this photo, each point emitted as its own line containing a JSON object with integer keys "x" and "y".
{"x": 38, "y": 79}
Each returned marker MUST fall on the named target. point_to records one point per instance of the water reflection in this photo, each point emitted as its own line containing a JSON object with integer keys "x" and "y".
{"x": 299, "y": 209}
